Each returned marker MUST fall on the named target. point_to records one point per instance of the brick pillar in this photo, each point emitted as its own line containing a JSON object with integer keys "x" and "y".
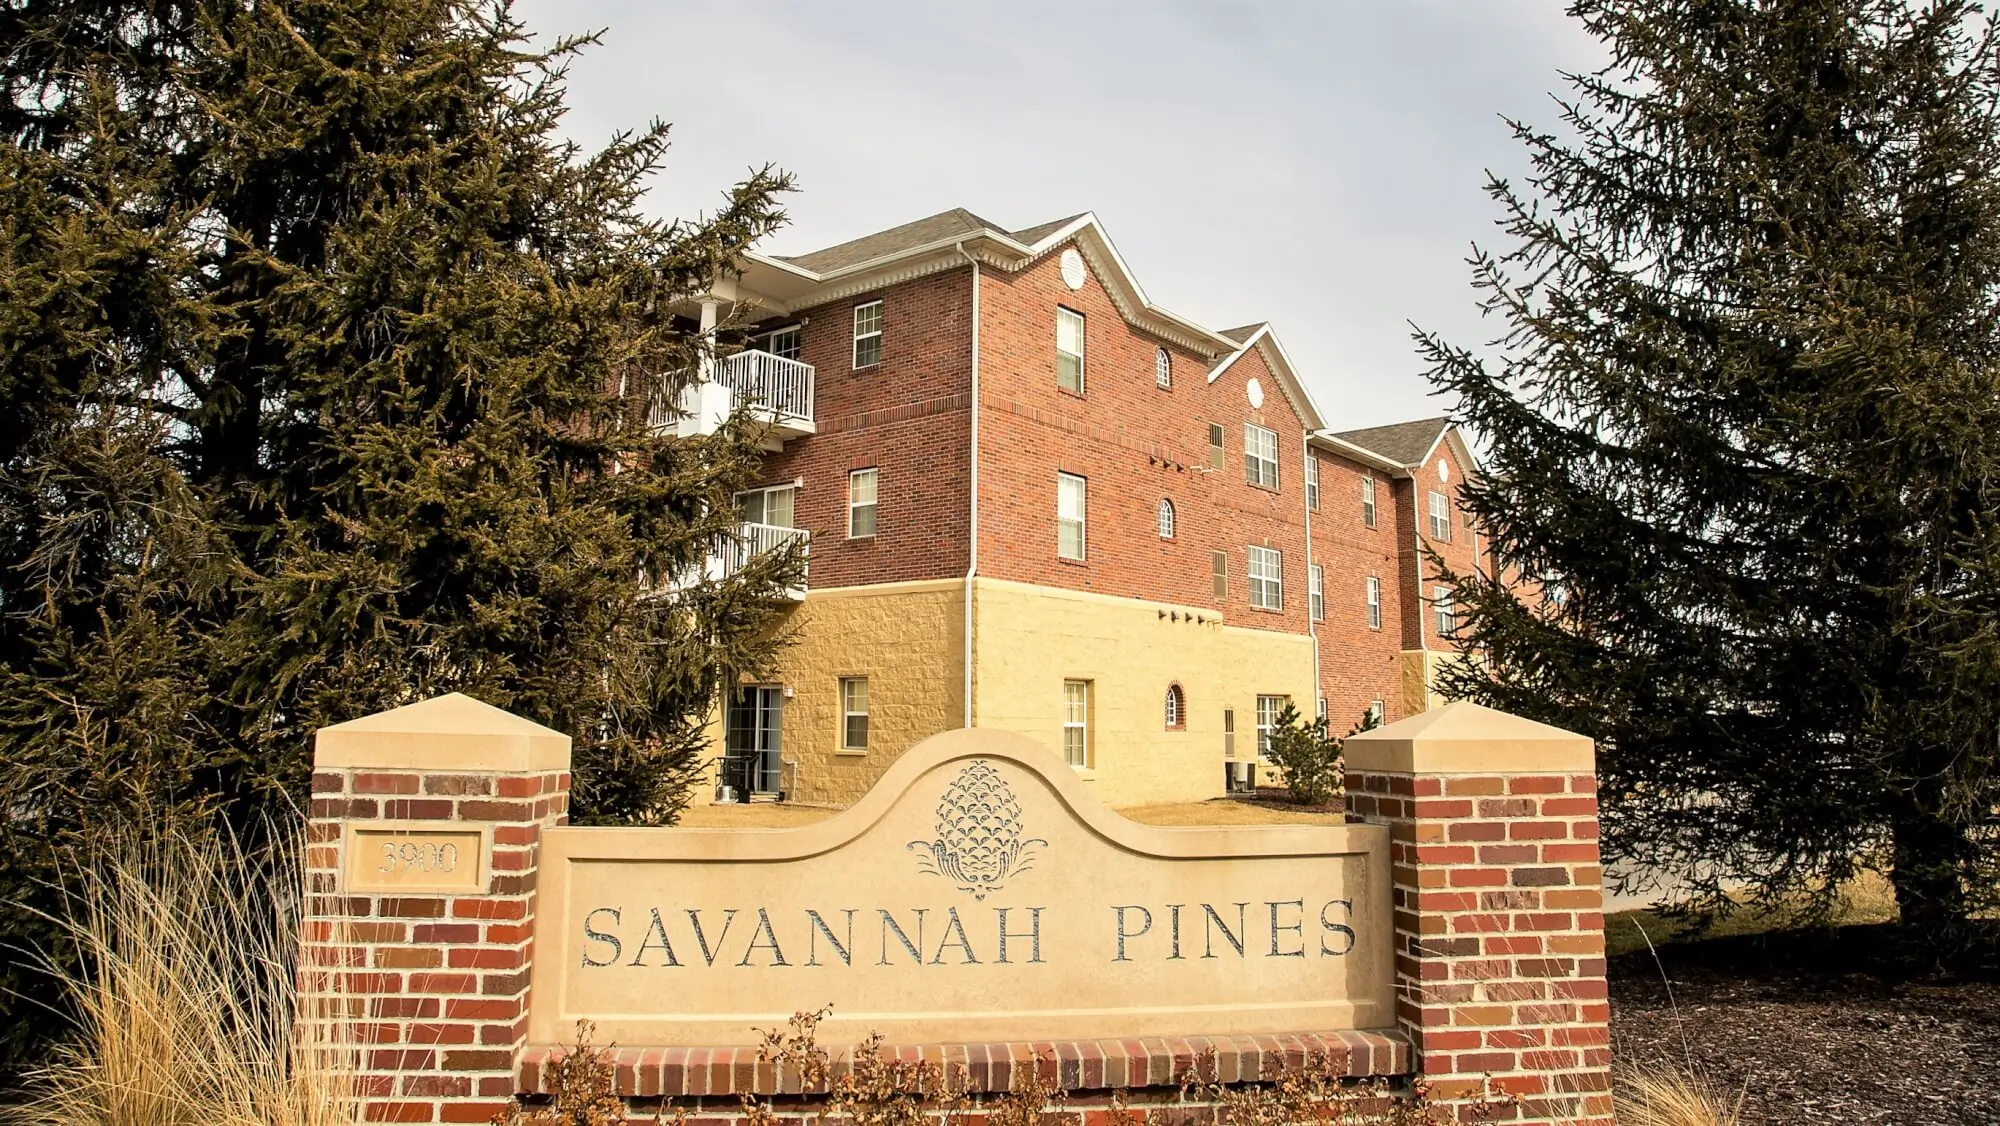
{"x": 1498, "y": 902}
{"x": 422, "y": 848}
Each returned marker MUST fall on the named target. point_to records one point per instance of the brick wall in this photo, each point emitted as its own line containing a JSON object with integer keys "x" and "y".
{"x": 908, "y": 417}
{"x": 1498, "y": 905}
{"x": 1358, "y": 664}
{"x": 1135, "y": 444}
{"x": 433, "y": 986}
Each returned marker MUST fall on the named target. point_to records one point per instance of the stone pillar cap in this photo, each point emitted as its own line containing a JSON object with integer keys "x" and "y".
{"x": 452, "y": 732}
{"x": 1468, "y": 738}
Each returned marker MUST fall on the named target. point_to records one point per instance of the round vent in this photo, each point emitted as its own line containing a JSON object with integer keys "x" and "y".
{"x": 1255, "y": 390}
{"x": 1072, "y": 268}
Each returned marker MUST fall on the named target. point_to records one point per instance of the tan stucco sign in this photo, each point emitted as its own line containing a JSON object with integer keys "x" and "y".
{"x": 978, "y": 892}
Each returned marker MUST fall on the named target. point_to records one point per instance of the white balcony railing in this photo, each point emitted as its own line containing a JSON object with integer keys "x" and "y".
{"x": 784, "y": 386}
{"x": 753, "y": 540}
{"x": 781, "y": 387}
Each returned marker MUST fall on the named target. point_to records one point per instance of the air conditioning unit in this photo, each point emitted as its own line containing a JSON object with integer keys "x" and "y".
{"x": 1239, "y": 777}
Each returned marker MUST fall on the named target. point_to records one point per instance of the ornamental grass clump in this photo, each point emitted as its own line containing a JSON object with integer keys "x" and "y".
{"x": 185, "y": 1004}
{"x": 1673, "y": 1096}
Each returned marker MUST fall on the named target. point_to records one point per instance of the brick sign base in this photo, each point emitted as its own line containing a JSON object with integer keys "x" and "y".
{"x": 424, "y": 868}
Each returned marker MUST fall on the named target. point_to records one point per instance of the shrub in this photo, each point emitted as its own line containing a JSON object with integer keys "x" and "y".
{"x": 186, "y": 1002}
{"x": 1308, "y": 759}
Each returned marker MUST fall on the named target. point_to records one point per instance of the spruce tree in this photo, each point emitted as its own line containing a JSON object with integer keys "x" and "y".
{"x": 327, "y": 373}
{"x": 1743, "y": 418}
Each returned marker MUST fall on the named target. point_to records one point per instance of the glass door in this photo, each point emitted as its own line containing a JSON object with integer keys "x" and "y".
{"x": 754, "y": 758}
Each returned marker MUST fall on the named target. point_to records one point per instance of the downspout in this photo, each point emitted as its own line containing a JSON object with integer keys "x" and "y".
{"x": 972, "y": 547}
{"x": 1312, "y": 627}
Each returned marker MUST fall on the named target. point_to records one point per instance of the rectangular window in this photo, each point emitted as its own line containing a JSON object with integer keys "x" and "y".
{"x": 1368, "y": 502}
{"x": 868, "y": 334}
{"x": 1076, "y": 722}
{"x": 784, "y": 343}
{"x": 1375, "y": 713}
{"x": 853, "y": 713}
{"x": 1374, "y": 602}
{"x": 1069, "y": 350}
{"x": 1267, "y": 587}
{"x": 1440, "y": 518}
{"x": 1316, "y": 591}
{"x": 1268, "y": 708}
{"x": 1312, "y": 482}
{"x": 1218, "y": 565}
{"x": 1260, "y": 455}
{"x": 1322, "y": 708}
{"x": 1216, "y": 456}
{"x": 861, "y": 504}
{"x": 1447, "y": 619}
{"x": 1229, "y": 733}
{"x": 1069, "y": 515}
{"x": 772, "y": 507}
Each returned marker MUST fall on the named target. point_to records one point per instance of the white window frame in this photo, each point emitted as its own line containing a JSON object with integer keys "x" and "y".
{"x": 872, "y": 477}
{"x": 1175, "y": 708}
{"x": 1267, "y": 589}
{"x": 1376, "y": 711}
{"x": 1066, "y": 318}
{"x": 1444, "y": 611}
{"x": 1312, "y": 481}
{"x": 1070, "y": 485}
{"x": 796, "y": 334}
{"x": 764, "y": 504}
{"x": 1268, "y": 710}
{"x": 1166, "y": 518}
{"x": 1368, "y": 502}
{"x": 1260, "y": 455}
{"x": 1374, "y": 589}
{"x": 868, "y": 329}
{"x": 1076, "y": 723}
{"x": 1316, "y": 591}
{"x": 1440, "y": 515}
{"x": 1163, "y": 369}
{"x": 848, "y": 713}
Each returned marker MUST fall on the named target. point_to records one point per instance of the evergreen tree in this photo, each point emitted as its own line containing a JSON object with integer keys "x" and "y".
{"x": 327, "y": 375}
{"x": 1744, "y": 417}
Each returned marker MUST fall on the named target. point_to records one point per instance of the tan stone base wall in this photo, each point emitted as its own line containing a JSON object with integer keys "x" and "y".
{"x": 1032, "y": 638}
{"x": 908, "y": 639}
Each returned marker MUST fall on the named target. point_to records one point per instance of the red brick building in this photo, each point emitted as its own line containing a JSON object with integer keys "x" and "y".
{"x": 1035, "y": 500}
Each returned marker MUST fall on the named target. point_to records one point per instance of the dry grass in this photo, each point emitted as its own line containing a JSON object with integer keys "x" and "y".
{"x": 1672, "y": 1096}
{"x": 1869, "y": 898}
{"x": 1228, "y": 811}
{"x": 188, "y": 1001}
{"x": 752, "y": 815}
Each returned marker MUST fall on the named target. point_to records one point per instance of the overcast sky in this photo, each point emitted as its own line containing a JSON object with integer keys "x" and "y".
{"x": 1314, "y": 164}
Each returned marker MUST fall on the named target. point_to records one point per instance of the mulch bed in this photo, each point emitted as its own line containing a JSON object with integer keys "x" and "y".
{"x": 1817, "y": 1028}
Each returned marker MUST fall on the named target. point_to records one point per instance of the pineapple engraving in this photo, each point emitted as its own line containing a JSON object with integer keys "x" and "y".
{"x": 978, "y": 843}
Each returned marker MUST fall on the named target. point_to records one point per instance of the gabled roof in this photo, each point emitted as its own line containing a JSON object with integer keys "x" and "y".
{"x": 946, "y": 241}
{"x": 896, "y": 240}
{"x": 1265, "y": 341}
{"x": 1405, "y": 443}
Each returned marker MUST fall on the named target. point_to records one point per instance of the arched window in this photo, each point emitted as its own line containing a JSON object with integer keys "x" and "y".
{"x": 1166, "y": 519}
{"x": 1163, "y": 369}
{"x": 1176, "y": 707}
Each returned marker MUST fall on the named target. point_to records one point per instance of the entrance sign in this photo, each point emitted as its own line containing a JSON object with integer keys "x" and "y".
{"x": 979, "y": 892}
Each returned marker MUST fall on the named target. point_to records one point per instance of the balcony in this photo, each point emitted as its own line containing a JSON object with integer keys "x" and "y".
{"x": 779, "y": 390}
{"x": 730, "y": 556}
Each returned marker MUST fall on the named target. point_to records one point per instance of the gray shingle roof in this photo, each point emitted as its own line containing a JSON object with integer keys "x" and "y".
{"x": 881, "y": 244}
{"x": 1032, "y": 235}
{"x": 1404, "y": 443}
